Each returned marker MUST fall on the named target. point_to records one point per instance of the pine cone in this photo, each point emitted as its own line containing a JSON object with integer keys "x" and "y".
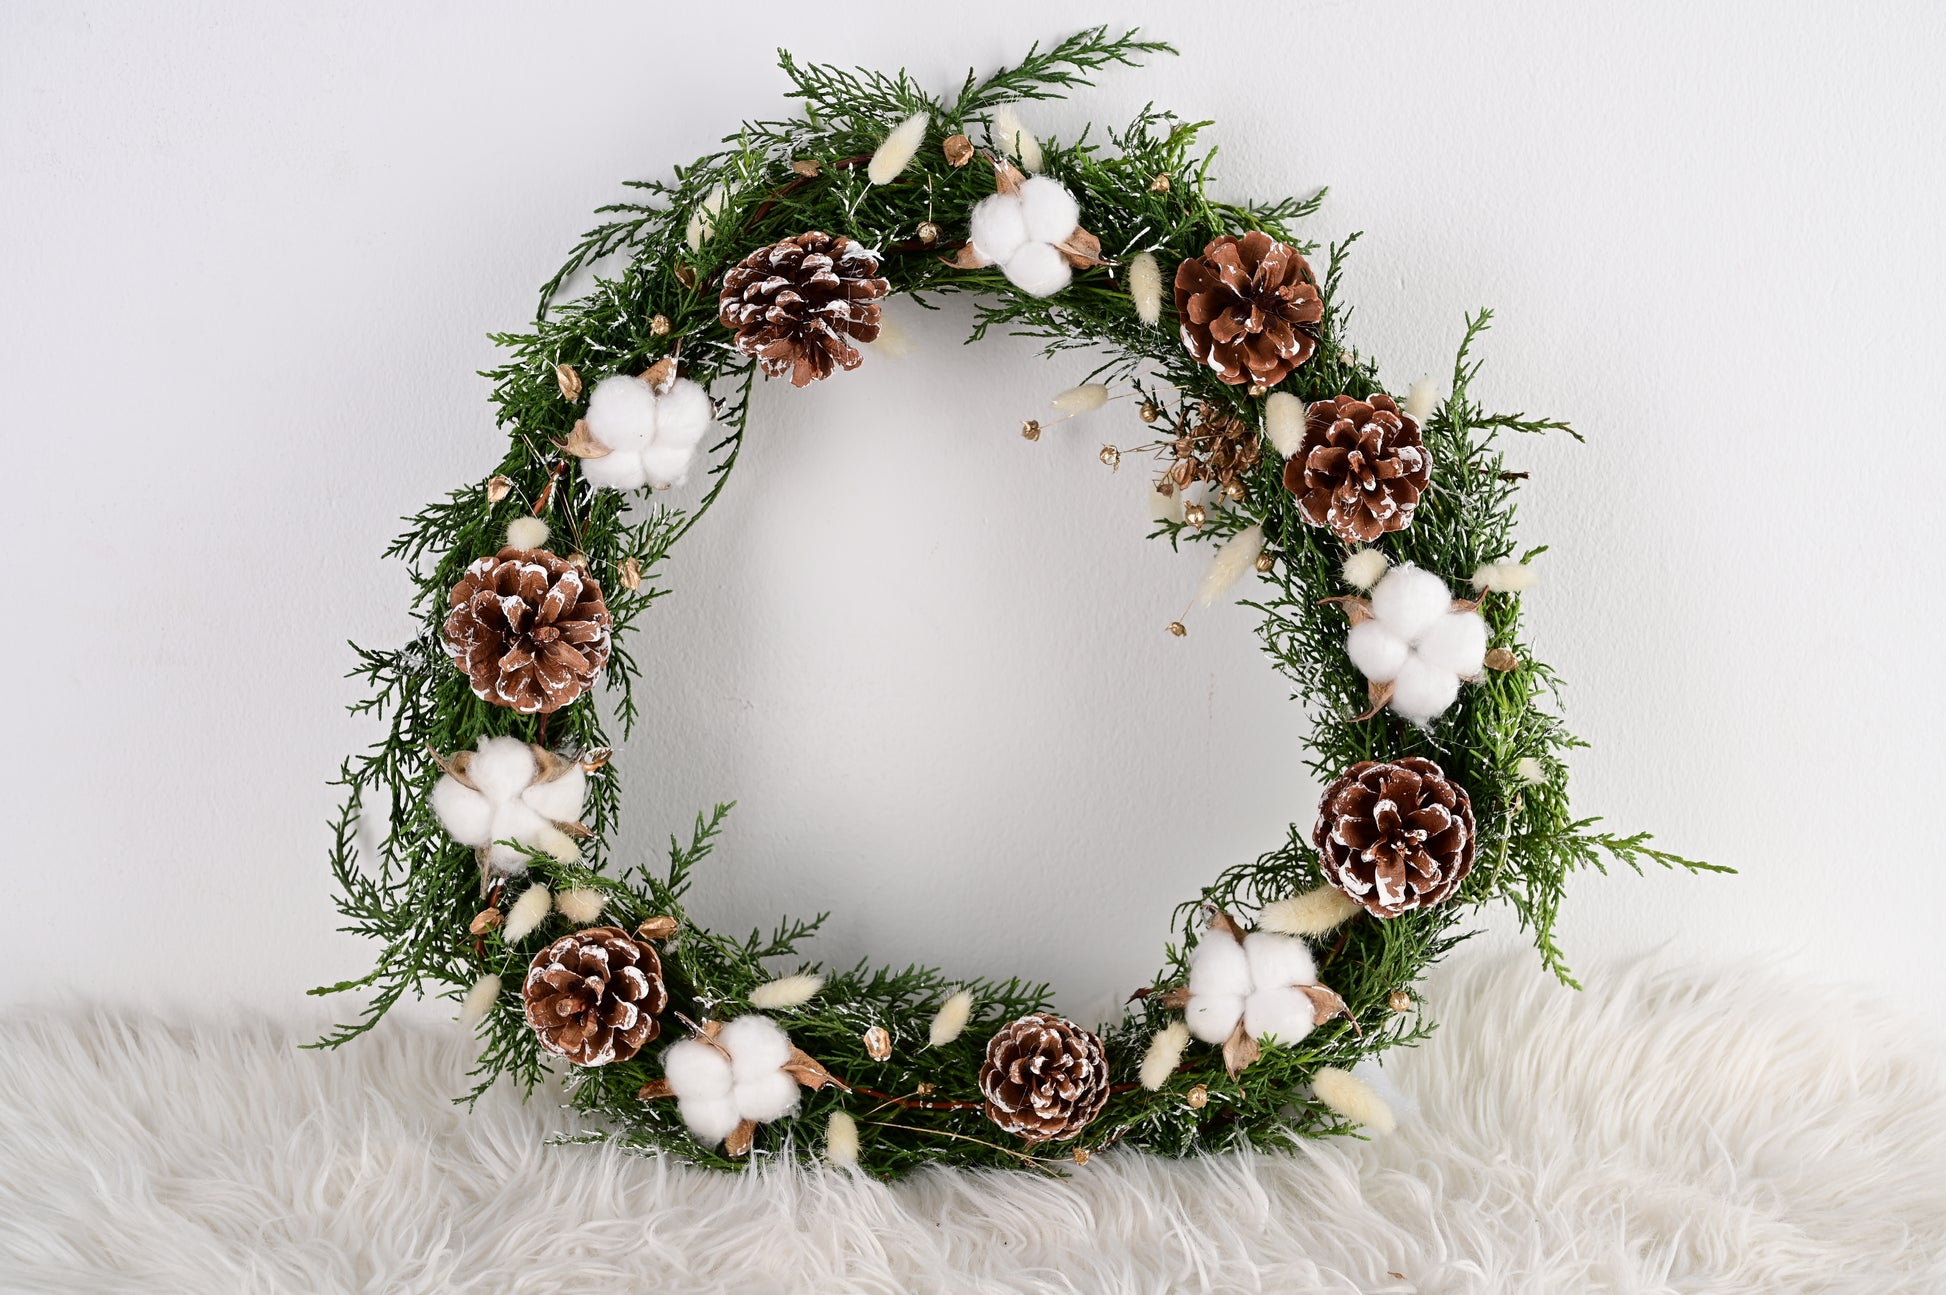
{"x": 1246, "y": 305}
{"x": 793, "y": 304}
{"x": 1361, "y": 469}
{"x": 530, "y": 630}
{"x": 1045, "y": 1078}
{"x": 593, "y": 996}
{"x": 1395, "y": 837}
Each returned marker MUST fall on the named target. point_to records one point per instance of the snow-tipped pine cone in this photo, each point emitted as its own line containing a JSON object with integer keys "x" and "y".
{"x": 1395, "y": 837}
{"x": 530, "y": 630}
{"x": 797, "y": 305}
{"x": 593, "y": 996}
{"x": 1361, "y": 469}
{"x": 1045, "y": 1078}
{"x": 1247, "y": 306}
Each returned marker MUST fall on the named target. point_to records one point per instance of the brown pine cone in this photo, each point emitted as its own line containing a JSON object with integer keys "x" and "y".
{"x": 794, "y": 304}
{"x": 1247, "y": 305}
{"x": 1361, "y": 469}
{"x": 1395, "y": 837}
{"x": 1045, "y": 1078}
{"x": 530, "y": 630}
{"x": 593, "y": 996}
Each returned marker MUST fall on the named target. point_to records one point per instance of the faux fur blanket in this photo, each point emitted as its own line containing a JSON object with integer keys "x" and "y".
{"x": 1664, "y": 1131}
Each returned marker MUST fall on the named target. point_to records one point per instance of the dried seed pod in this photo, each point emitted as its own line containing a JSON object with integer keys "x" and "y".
{"x": 569, "y": 382}
{"x": 487, "y": 919}
{"x": 498, "y": 488}
{"x": 657, "y": 928}
{"x": 878, "y": 1044}
{"x": 958, "y": 149}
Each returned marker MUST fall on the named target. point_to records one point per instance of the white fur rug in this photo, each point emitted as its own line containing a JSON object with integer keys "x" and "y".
{"x": 1661, "y": 1132}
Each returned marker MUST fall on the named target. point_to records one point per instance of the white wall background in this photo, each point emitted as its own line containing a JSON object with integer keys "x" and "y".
{"x": 250, "y": 254}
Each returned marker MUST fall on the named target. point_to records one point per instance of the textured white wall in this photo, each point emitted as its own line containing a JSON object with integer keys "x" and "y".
{"x": 251, "y": 252}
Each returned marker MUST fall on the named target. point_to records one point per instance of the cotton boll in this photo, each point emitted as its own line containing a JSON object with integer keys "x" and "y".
{"x": 1353, "y": 1098}
{"x": 1279, "y": 1012}
{"x": 1010, "y": 136}
{"x": 1421, "y": 693}
{"x": 755, "y": 1045}
{"x": 895, "y": 153}
{"x": 621, "y": 470}
{"x": 1312, "y": 913}
{"x": 479, "y": 1000}
{"x": 1408, "y": 600}
{"x": 528, "y": 912}
{"x": 560, "y": 800}
{"x": 1145, "y": 287}
{"x": 1076, "y": 401}
{"x": 695, "y": 1069}
{"x": 581, "y": 905}
{"x": 1049, "y": 210}
{"x": 1284, "y": 422}
{"x": 1378, "y": 653}
{"x": 514, "y": 821}
{"x": 527, "y": 533}
{"x": 622, "y": 413}
{"x": 1037, "y": 270}
{"x": 501, "y": 767}
{"x": 1530, "y": 770}
{"x": 1364, "y": 568}
{"x": 766, "y": 1097}
{"x": 1164, "y": 1054}
{"x": 998, "y": 228}
{"x": 785, "y": 991}
{"x": 1218, "y": 966}
{"x": 1455, "y": 642}
{"x": 683, "y": 414}
{"x": 1211, "y": 1017}
{"x": 841, "y": 1140}
{"x": 1278, "y": 960}
{"x": 710, "y": 1119}
{"x": 1421, "y": 400}
{"x": 466, "y": 815}
{"x": 951, "y": 1019}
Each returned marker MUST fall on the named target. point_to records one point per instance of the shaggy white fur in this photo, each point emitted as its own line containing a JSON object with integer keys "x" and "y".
{"x": 1684, "y": 1130}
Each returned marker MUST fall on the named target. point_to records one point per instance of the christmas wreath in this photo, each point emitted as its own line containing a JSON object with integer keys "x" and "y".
{"x": 1378, "y": 531}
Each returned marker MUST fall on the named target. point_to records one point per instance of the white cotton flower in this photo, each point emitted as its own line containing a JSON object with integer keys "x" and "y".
{"x": 1255, "y": 982}
{"x": 1011, "y": 136}
{"x": 1165, "y": 1050}
{"x": 526, "y": 533}
{"x": 950, "y": 1019}
{"x": 1021, "y": 231}
{"x": 785, "y": 991}
{"x": 716, "y": 1092}
{"x": 1418, "y": 643}
{"x": 507, "y": 801}
{"x": 650, "y": 437}
{"x": 1284, "y": 423}
{"x": 1145, "y": 287}
{"x": 896, "y": 152}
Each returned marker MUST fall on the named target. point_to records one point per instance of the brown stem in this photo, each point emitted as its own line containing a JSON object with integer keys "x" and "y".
{"x": 793, "y": 186}
{"x": 916, "y": 1104}
{"x": 547, "y": 491}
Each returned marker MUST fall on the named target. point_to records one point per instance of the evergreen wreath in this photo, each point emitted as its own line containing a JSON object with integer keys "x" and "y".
{"x": 1278, "y": 447}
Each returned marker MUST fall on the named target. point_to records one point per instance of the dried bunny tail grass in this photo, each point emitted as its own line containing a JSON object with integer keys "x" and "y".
{"x": 841, "y": 1140}
{"x": 1227, "y": 565}
{"x": 785, "y": 991}
{"x": 1145, "y": 287}
{"x": 1529, "y": 770}
{"x": 1081, "y": 400}
{"x": 951, "y": 1019}
{"x": 1364, "y": 568}
{"x": 1284, "y": 422}
{"x": 528, "y": 912}
{"x": 526, "y": 533}
{"x": 1421, "y": 400}
{"x": 893, "y": 339}
{"x": 1166, "y": 507}
{"x": 1312, "y": 913}
{"x": 702, "y": 221}
{"x": 479, "y": 1000}
{"x": 1012, "y": 137}
{"x": 1354, "y": 1099}
{"x": 1164, "y": 1054}
{"x": 581, "y": 905}
{"x": 1505, "y": 578}
{"x": 897, "y": 151}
